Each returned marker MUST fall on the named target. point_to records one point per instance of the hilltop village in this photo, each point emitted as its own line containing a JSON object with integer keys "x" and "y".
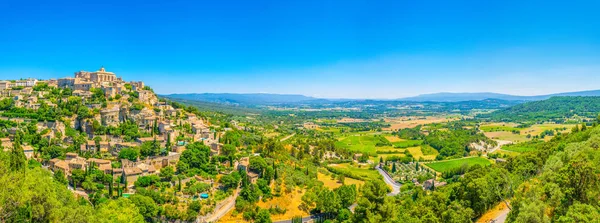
{"x": 96, "y": 148}
{"x": 95, "y": 129}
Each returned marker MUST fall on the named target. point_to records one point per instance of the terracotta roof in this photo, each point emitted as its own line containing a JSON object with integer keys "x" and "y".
{"x": 105, "y": 167}
{"x": 132, "y": 171}
{"x": 98, "y": 161}
{"x": 62, "y": 165}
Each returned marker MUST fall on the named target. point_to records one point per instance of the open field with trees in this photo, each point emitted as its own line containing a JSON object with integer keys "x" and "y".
{"x": 366, "y": 143}
{"x": 448, "y": 165}
{"x": 356, "y": 171}
{"x": 333, "y": 181}
{"x": 521, "y": 133}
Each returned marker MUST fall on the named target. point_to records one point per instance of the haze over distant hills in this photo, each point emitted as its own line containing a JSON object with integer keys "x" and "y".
{"x": 266, "y": 99}
{"x": 252, "y": 98}
{"x": 449, "y": 97}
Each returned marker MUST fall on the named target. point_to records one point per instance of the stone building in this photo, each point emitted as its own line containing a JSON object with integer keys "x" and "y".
{"x": 110, "y": 116}
{"x": 67, "y": 82}
{"x": 5, "y": 85}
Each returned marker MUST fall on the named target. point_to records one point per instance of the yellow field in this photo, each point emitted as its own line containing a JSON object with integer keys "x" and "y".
{"x": 394, "y": 138}
{"x": 537, "y": 129}
{"x": 271, "y": 134}
{"x": 333, "y": 183}
{"x": 417, "y": 153}
{"x": 290, "y": 202}
{"x": 413, "y": 121}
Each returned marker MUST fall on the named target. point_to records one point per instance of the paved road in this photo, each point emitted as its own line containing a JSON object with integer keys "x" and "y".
{"x": 389, "y": 181}
{"x": 501, "y": 218}
{"x": 218, "y": 214}
{"x": 304, "y": 219}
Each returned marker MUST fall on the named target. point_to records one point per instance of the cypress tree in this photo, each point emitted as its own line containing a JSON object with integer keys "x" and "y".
{"x": 179, "y": 186}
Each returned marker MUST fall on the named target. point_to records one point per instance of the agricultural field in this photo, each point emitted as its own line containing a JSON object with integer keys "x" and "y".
{"x": 507, "y": 136}
{"x": 510, "y": 131}
{"x": 518, "y": 148}
{"x": 366, "y": 143}
{"x": 425, "y": 152}
{"x": 334, "y": 130}
{"x": 499, "y": 127}
{"x": 393, "y": 138}
{"x": 413, "y": 121}
{"x": 443, "y": 166}
{"x": 407, "y": 143}
{"x": 506, "y": 152}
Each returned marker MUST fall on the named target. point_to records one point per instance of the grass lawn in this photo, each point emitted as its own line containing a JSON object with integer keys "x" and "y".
{"x": 443, "y": 166}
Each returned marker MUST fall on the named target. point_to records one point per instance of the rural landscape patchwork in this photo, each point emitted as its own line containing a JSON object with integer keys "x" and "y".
{"x": 140, "y": 113}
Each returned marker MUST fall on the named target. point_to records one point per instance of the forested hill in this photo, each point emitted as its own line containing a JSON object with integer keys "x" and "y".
{"x": 553, "y": 109}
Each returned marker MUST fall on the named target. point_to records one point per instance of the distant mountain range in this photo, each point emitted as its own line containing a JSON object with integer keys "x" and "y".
{"x": 258, "y": 98}
{"x": 267, "y": 99}
{"x": 451, "y": 97}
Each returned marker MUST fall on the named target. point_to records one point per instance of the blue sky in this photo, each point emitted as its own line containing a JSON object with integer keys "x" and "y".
{"x": 334, "y": 49}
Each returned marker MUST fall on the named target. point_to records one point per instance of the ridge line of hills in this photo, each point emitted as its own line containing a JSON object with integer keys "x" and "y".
{"x": 267, "y": 98}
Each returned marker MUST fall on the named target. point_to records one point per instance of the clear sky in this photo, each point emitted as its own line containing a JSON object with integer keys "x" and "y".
{"x": 333, "y": 49}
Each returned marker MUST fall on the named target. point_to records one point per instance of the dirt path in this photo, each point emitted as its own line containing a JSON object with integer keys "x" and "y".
{"x": 500, "y": 144}
{"x": 287, "y": 137}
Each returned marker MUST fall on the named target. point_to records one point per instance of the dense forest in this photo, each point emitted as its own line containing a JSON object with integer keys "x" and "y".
{"x": 555, "y": 109}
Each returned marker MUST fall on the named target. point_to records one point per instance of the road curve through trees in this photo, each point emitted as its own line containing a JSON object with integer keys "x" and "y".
{"x": 389, "y": 181}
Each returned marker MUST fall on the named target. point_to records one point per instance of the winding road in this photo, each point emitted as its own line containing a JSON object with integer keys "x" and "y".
{"x": 389, "y": 181}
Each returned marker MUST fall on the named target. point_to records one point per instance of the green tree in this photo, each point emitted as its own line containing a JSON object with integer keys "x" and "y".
{"x": 59, "y": 176}
{"x": 230, "y": 181}
{"x": 17, "y": 158}
{"x": 145, "y": 205}
{"x": 263, "y": 216}
{"x": 167, "y": 173}
{"x": 129, "y": 153}
{"x": 119, "y": 210}
{"x": 77, "y": 176}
